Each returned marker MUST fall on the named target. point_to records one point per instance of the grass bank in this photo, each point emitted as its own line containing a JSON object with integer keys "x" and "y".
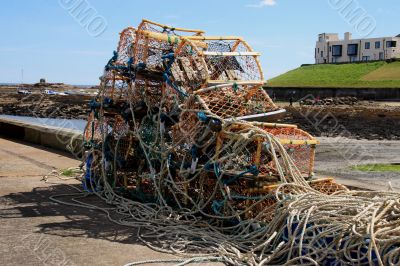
{"x": 358, "y": 75}
{"x": 377, "y": 168}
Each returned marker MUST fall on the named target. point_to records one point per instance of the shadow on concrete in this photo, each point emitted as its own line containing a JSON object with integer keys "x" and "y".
{"x": 78, "y": 222}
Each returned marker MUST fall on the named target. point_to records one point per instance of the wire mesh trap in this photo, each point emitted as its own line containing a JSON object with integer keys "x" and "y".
{"x": 168, "y": 140}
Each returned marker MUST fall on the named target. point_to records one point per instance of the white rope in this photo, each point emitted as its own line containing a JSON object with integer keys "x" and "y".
{"x": 197, "y": 212}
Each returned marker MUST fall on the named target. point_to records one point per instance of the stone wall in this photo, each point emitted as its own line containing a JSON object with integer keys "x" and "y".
{"x": 57, "y": 138}
{"x": 284, "y": 94}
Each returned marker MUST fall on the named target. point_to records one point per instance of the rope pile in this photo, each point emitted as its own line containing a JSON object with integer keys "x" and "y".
{"x": 169, "y": 145}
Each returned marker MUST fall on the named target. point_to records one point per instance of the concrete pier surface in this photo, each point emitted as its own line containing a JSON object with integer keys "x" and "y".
{"x": 335, "y": 157}
{"x": 36, "y": 231}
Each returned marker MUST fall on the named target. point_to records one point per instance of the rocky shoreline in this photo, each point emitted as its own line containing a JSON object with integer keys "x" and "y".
{"x": 328, "y": 118}
{"x": 45, "y": 106}
{"x": 362, "y": 121}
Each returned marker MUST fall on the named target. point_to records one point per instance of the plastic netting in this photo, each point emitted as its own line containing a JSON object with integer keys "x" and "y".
{"x": 237, "y": 101}
{"x": 165, "y": 145}
{"x": 223, "y": 66}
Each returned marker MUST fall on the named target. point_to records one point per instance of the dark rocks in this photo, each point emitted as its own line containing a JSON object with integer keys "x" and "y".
{"x": 72, "y": 107}
{"x": 363, "y": 121}
{"x": 331, "y": 101}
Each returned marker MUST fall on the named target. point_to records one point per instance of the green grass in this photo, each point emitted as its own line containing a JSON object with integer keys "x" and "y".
{"x": 386, "y": 72}
{"x": 67, "y": 172}
{"x": 377, "y": 168}
{"x": 341, "y": 76}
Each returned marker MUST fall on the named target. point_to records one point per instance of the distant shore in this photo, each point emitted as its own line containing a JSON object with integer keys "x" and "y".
{"x": 46, "y": 100}
{"x": 329, "y": 118}
{"x": 40, "y": 87}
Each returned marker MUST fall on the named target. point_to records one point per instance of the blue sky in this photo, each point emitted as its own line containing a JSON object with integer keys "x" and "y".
{"x": 44, "y": 39}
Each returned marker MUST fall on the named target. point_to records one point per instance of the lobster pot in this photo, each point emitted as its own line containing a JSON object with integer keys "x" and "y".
{"x": 298, "y": 144}
{"x": 153, "y": 41}
{"x": 189, "y": 70}
{"x": 120, "y": 128}
{"x": 327, "y": 186}
{"x": 234, "y": 101}
{"x": 123, "y": 149}
{"x": 107, "y": 85}
{"x": 152, "y": 26}
{"x": 237, "y": 153}
{"x": 126, "y": 46}
{"x": 115, "y": 87}
{"x": 231, "y": 59}
{"x": 148, "y": 91}
{"x": 152, "y": 93}
{"x": 95, "y": 128}
{"x": 120, "y": 89}
{"x": 151, "y": 50}
{"x": 238, "y": 148}
{"x": 171, "y": 58}
{"x": 193, "y": 132}
{"x": 263, "y": 201}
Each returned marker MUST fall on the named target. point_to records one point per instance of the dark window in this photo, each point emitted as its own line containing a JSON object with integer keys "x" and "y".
{"x": 391, "y": 44}
{"x": 322, "y": 53}
{"x": 353, "y": 59}
{"x": 367, "y": 45}
{"x": 337, "y": 50}
{"x": 377, "y": 45}
{"x": 352, "y": 49}
{"x": 366, "y": 58}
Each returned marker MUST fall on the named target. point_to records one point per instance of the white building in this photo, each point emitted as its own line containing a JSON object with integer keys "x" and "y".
{"x": 330, "y": 49}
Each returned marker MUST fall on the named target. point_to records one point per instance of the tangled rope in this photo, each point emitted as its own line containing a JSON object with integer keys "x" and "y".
{"x": 199, "y": 183}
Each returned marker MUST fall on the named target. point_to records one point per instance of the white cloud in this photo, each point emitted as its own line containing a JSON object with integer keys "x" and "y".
{"x": 263, "y": 3}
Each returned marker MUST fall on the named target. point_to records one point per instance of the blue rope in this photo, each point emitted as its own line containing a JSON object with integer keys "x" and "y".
{"x": 202, "y": 116}
{"x": 252, "y": 170}
{"x": 88, "y": 182}
{"x": 112, "y": 60}
{"x": 94, "y": 105}
{"x": 170, "y": 59}
{"x": 217, "y": 170}
{"x": 194, "y": 151}
{"x": 217, "y": 206}
{"x": 213, "y": 167}
{"x": 235, "y": 87}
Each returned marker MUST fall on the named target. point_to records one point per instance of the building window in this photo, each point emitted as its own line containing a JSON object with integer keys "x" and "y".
{"x": 337, "y": 50}
{"x": 367, "y": 45}
{"x": 377, "y": 45}
{"x": 322, "y": 53}
{"x": 366, "y": 58}
{"x": 391, "y": 44}
{"x": 353, "y": 59}
{"x": 352, "y": 49}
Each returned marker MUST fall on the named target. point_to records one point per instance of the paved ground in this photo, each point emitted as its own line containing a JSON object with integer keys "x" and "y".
{"x": 336, "y": 156}
{"x": 36, "y": 231}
